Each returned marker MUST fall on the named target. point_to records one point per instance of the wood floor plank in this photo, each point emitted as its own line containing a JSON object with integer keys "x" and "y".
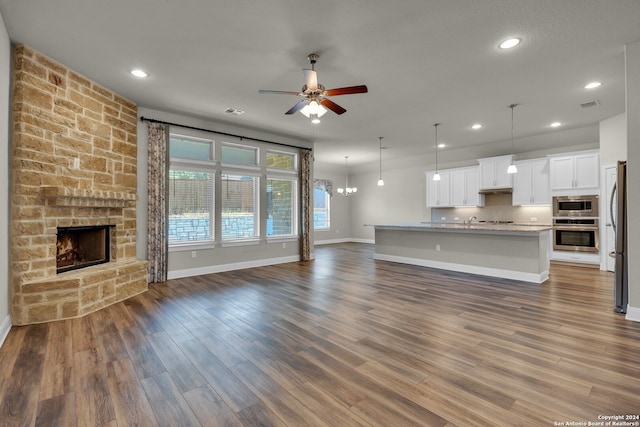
{"x": 281, "y": 403}
{"x": 57, "y": 411}
{"x": 210, "y": 409}
{"x": 344, "y": 340}
{"x": 132, "y": 408}
{"x": 233, "y": 391}
{"x": 168, "y": 403}
{"x": 58, "y": 362}
{"x": 94, "y": 405}
{"x": 182, "y": 372}
{"x": 142, "y": 355}
{"x": 10, "y": 350}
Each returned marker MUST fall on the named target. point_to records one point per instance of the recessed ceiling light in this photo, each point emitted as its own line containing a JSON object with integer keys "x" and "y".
{"x": 442, "y": 145}
{"x": 476, "y": 126}
{"x": 139, "y": 73}
{"x": 509, "y": 43}
{"x": 555, "y": 124}
{"x": 592, "y": 85}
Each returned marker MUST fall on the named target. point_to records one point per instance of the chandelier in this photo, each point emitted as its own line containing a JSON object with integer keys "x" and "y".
{"x": 346, "y": 191}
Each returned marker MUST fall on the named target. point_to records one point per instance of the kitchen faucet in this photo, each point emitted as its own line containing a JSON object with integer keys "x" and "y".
{"x": 471, "y": 219}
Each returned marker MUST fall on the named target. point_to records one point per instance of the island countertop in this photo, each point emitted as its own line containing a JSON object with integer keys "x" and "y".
{"x": 510, "y": 251}
{"x": 476, "y": 227}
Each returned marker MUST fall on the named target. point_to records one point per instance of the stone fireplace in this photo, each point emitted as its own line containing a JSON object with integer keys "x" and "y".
{"x": 82, "y": 247}
{"x": 74, "y": 167}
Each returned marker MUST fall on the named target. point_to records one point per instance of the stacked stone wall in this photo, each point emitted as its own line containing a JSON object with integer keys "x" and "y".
{"x": 74, "y": 160}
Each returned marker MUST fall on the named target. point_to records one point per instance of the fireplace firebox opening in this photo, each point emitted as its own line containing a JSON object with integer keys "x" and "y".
{"x": 80, "y": 247}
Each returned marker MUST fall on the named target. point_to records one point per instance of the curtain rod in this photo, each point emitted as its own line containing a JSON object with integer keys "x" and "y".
{"x": 145, "y": 119}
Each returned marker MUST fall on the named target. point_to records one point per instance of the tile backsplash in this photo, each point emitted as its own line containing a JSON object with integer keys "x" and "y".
{"x": 497, "y": 208}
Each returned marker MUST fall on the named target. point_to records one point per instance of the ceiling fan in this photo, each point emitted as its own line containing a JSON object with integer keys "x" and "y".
{"x": 315, "y": 102}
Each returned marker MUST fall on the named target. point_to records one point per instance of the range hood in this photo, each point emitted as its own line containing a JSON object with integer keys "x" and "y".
{"x": 495, "y": 191}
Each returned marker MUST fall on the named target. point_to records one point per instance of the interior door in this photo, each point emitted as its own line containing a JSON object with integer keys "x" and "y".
{"x": 610, "y": 178}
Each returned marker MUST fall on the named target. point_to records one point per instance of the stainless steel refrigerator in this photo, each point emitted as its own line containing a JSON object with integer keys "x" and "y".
{"x": 618, "y": 208}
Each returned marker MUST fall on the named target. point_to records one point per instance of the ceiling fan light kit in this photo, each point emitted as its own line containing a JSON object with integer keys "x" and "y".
{"x": 316, "y": 102}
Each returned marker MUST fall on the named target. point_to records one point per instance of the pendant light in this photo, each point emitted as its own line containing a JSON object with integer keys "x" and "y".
{"x": 512, "y": 168}
{"x": 436, "y": 176}
{"x": 347, "y": 191}
{"x": 380, "y": 181}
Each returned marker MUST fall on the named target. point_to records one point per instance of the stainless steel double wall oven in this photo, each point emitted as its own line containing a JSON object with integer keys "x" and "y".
{"x": 575, "y": 223}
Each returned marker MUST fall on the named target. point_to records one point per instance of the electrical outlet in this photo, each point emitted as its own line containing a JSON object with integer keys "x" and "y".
{"x": 534, "y": 219}
{"x": 438, "y": 248}
{"x": 443, "y": 218}
{"x": 194, "y": 254}
{"x": 284, "y": 246}
{"x": 455, "y": 218}
{"x": 76, "y": 163}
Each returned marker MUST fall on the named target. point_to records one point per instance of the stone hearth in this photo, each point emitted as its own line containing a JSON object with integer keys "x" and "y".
{"x": 74, "y": 164}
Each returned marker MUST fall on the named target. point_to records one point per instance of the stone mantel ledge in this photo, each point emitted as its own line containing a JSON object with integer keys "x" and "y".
{"x": 62, "y": 196}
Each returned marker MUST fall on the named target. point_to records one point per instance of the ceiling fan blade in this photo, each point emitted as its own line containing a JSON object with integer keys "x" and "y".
{"x": 279, "y": 92}
{"x": 311, "y": 79}
{"x": 297, "y": 107}
{"x": 347, "y": 90}
{"x": 332, "y": 106}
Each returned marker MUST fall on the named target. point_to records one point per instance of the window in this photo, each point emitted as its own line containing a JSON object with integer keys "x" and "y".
{"x": 321, "y": 203}
{"x": 279, "y": 160}
{"x": 191, "y": 190}
{"x": 281, "y": 207}
{"x": 190, "y": 148}
{"x": 216, "y": 194}
{"x": 240, "y": 207}
{"x": 239, "y": 155}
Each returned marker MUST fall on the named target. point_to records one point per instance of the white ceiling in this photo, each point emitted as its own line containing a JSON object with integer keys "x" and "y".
{"x": 424, "y": 61}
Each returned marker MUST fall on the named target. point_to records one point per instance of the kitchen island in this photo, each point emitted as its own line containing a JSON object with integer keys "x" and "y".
{"x": 511, "y": 251}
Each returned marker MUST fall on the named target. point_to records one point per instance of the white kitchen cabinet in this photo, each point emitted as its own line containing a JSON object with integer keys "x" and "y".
{"x": 493, "y": 172}
{"x": 531, "y": 183}
{"x": 438, "y": 192}
{"x": 464, "y": 187}
{"x": 576, "y": 171}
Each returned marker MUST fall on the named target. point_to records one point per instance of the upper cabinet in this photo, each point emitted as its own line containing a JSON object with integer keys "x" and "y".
{"x": 531, "y": 183}
{"x": 465, "y": 186}
{"x": 493, "y": 172}
{"x": 457, "y": 187}
{"x": 438, "y": 192}
{"x": 576, "y": 172}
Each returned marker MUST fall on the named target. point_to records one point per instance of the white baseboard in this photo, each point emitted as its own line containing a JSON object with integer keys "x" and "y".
{"x": 345, "y": 240}
{"x": 188, "y": 272}
{"x": 331, "y": 241}
{"x": 633, "y": 313}
{"x": 472, "y": 269}
{"x": 5, "y": 327}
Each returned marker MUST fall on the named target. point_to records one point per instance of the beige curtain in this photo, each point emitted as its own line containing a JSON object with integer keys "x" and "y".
{"x": 158, "y": 208}
{"x": 306, "y": 206}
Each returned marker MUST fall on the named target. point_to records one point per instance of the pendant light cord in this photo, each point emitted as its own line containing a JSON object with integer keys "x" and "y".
{"x": 380, "y": 138}
{"x": 436, "y": 126}
{"x": 512, "y": 106}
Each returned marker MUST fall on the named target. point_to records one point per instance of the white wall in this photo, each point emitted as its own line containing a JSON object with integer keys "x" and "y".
{"x": 401, "y": 199}
{"x": 5, "y": 85}
{"x": 632, "y": 63}
{"x": 613, "y": 140}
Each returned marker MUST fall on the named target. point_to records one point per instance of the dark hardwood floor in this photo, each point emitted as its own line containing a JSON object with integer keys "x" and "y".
{"x": 340, "y": 341}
